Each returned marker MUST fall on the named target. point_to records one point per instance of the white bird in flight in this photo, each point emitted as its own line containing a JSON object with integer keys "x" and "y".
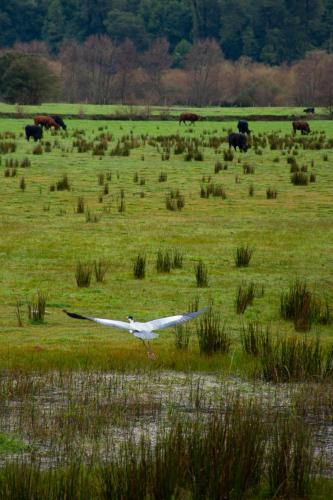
{"x": 143, "y": 331}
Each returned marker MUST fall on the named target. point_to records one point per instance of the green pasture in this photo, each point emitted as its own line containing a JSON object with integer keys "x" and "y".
{"x": 106, "y": 109}
{"x": 42, "y": 238}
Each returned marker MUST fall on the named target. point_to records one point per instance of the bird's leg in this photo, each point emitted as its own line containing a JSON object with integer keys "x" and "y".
{"x": 150, "y": 352}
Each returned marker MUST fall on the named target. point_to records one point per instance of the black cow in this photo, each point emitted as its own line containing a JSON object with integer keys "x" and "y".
{"x": 309, "y": 110}
{"x": 59, "y": 121}
{"x": 243, "y": 127}
{"x": 33, "y": 131}
{"x": 238, "y": 140}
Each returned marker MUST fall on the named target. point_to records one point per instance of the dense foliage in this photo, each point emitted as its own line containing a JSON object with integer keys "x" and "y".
{"x": 270, "y": 31}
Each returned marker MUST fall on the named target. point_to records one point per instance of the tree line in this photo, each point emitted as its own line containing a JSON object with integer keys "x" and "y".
{"x": 100, "y": 71}
{"x": 267, "y": 31}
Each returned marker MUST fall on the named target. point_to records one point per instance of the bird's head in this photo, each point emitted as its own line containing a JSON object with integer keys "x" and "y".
{"x": 130, "y": 318}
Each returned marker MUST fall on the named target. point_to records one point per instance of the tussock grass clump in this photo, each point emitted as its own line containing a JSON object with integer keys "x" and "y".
{"x": 295, "y": 359}
{"x": 253, "y": 338}
{"x": 164, "y": 261}
{"x": 312, "y": 177}
{"x": 290, "y": 459}
{"x": 218, "y": 167}
{"x": 174, "y": 200}
{"x": 25, "y": 163}
{"x": 201, "y": 274}
{"x": 7, "y": 147}
{"x": 38, "y": 150}
{"x": 163, "y": 177}
{"x": 271, "y": 193}
{"x": 182, "y": 337}
{"x": 228, "y": 155}
{"x": 251, "y": 190}
{"x": 91, "y": 216}
{"x": 106, "y": 189}
{"x": 139, "y": 267}
{"x": 248, "y": 169}
{"x": 198, "y": 155}
{"x": 37, "y": 307}
{"x": 83, "y": 274}
{"x": 80, "y": 206}
{"x": 23, "y": 184}
{"x": 300, "y": 179}
{"x": 243, "y": 256}
{"x": 177, "y": 258}
{"x": 245, "y": 296}
{"x": 212, "y": 333}
{"x": 101, "y": 267}
{"x": 122, "y": 205}
{"x": 63, "y": 184}
{"x": 100, "y": 179}
{"x": 136, "y": 178}
{"x": 301, "y": 306}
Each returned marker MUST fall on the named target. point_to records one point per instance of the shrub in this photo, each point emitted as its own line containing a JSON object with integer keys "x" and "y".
{"x": 243, "y": 256}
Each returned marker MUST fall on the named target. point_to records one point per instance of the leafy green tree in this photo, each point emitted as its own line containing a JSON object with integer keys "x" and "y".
{"x": 125, "y": 25}
{"x": 53, "y": 28}
{"x": 26, "y": 79}
{"x": 179, "y": 55}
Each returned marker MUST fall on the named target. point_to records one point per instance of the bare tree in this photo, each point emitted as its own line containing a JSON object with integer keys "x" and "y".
{"x": 126, "y": 63}
{"x": 203, "y": 71}
{"x": 156, "y": 60}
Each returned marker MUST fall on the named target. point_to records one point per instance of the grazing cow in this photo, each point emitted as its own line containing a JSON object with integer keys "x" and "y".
{"x": 243, "y": 127}
{"x": 33, "y": 131}
{"x": 46, "y": 121}
{"x": 59, "y": 121}
{"x": 302, "y": 126}
{"x": 188, "y": 117}
{"x": 309, "y": 110}
{"x": 238, "y": 140}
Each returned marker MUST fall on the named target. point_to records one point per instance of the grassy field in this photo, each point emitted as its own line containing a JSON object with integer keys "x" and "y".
{"x": 43, "y": 238}
{"x": 84, "y": 412}
{"x": 99, "y": 109}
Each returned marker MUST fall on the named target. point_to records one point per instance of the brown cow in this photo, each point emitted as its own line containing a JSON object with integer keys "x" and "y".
{"x": 46, "y": 121}
{"x": 188, "y": 117}
{"x": 302, "y": 126}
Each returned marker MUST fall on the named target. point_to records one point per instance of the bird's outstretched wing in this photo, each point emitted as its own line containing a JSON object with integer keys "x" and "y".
{"x": 160, "y": 324}
{"x": 106, "y": 322}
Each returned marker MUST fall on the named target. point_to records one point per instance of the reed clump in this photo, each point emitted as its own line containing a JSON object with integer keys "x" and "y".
{"x": 201, "y": 274}
{"x": 83, "y": 274}
{"x": 243, "y": 256}
{"x": 212, "y": 333}
{"x": 139, "y": 267}
{"x": 37, "y": 307}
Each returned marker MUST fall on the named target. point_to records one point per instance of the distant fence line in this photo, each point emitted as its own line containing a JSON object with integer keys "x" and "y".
{"x": 169, "y": 117}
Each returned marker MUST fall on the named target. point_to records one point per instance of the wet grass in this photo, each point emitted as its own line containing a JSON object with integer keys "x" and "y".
{"x": 40, "y": 245}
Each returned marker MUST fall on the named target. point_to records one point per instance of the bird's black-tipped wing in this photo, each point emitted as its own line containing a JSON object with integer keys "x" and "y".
{"x": 76, "y": 316}
{"x": 102, "y": 321}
